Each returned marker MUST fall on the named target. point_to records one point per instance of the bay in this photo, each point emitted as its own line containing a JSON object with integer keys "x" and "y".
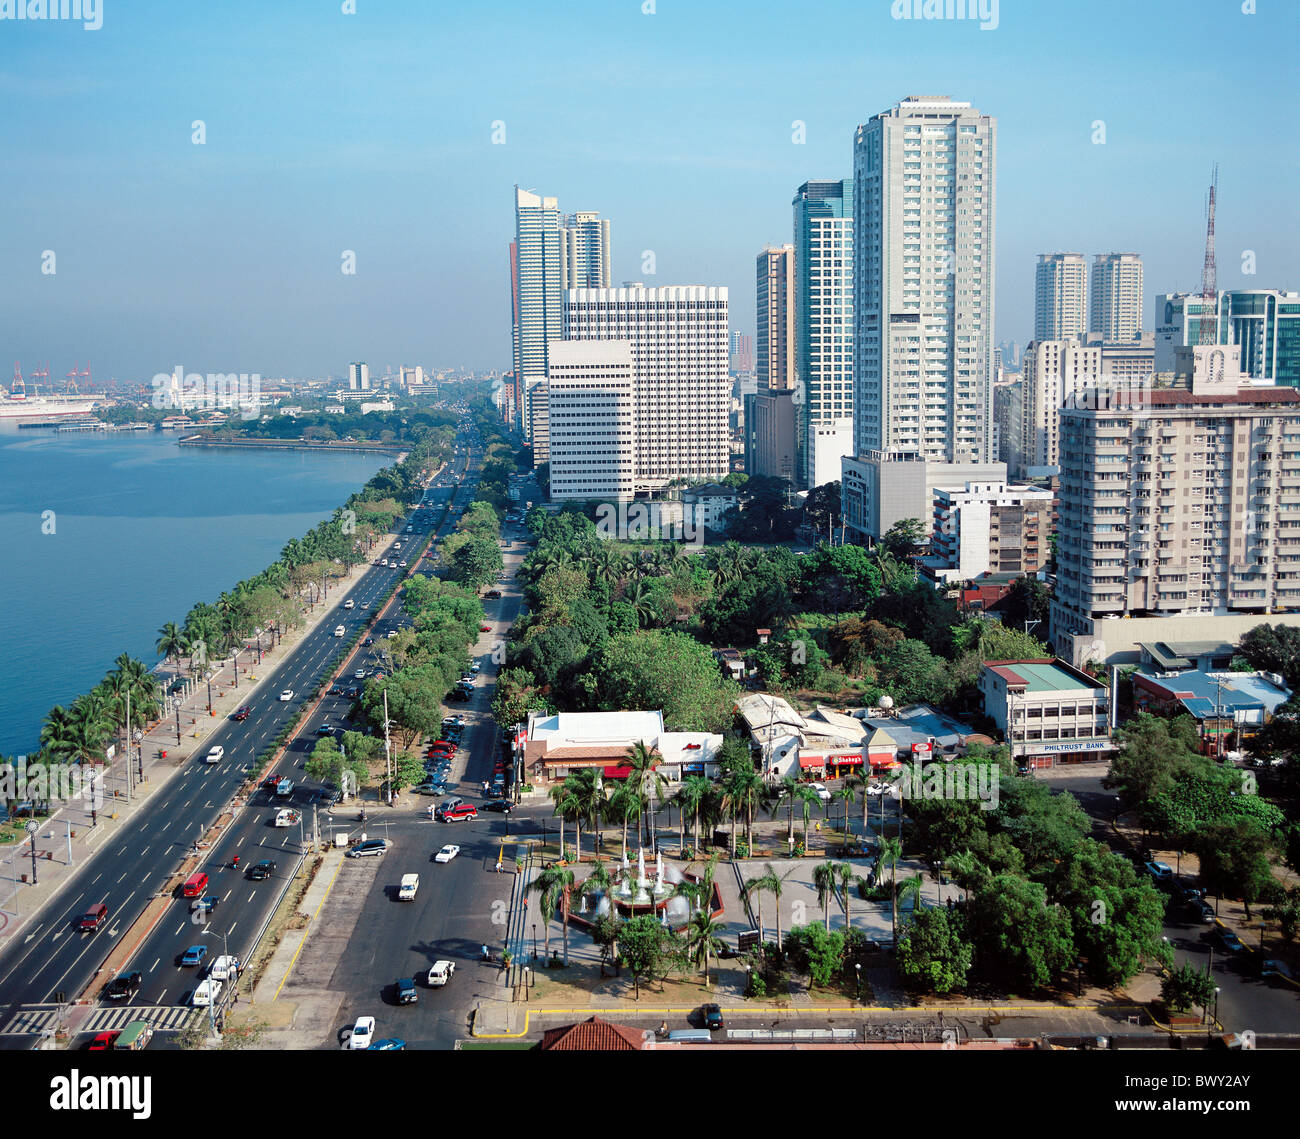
{"x": 105, "y": 537}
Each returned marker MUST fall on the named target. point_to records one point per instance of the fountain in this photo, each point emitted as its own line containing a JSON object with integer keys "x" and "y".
{"x": 635, "y": 893}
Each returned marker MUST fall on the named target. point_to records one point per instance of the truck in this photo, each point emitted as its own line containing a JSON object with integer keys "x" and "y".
{"x": 224, "y": 968}
{"x": 410, "y": 883}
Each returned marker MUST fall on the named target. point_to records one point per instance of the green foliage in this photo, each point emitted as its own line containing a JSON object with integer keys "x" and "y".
{"x": 646, "y": 946}
{"x": 813, "y": 951}
{"x": 1186, "y": 988}
{"x": 933, "y": 953}
{"x": 1019, "y": 940}
{"x": 1274, "y": 648}
{"x": 666, "y": 670}
{"x": 905, "y": 538}
{"x": 1234, "y": 858}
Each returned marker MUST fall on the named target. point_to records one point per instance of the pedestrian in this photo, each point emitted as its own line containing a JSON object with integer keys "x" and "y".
{"x": 498, "y": 866}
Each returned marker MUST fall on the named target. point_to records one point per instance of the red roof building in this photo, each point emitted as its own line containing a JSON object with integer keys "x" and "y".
{"x": 593, "y": 1035}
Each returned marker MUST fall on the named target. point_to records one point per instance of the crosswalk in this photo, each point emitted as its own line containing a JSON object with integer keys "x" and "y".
{"x": 34, "y": 1020}
{"x": 162, "y": 1018}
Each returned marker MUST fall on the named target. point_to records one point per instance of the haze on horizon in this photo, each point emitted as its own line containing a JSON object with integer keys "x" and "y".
{"x": 372, "y": 132}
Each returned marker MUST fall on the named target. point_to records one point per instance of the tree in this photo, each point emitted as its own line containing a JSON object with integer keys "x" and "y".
{"x": 645, "y": 945}
{"x": 822, "y": 509}
{"x": 703, "y": 937}
{"x": 1027, "y": 600}
{"x": 1152, "y": 752}
{"x": 1274, "y": 648}
{"x": 1018, "y": 938}
{"x": 934, "y": 955}
{"x": 1234, "y": 861}
{"x": 904, "y": 539}
{"x": 824, "y": 879}
{"x": 813, "y": 951}
{"x": 555, "y": 886}
{"x": 667, "y": 670}
{"x": 756, "y": 887}
{"x": 1185, "y": 988}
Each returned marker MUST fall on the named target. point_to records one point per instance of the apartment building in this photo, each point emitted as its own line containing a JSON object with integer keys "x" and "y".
{"x": 988, "y": 528}
{"x": 774, "y": 274}
{"x": 1060, "y": 296}
{"x": 1115, "y": 312}
{"x": 1179, "y": 512}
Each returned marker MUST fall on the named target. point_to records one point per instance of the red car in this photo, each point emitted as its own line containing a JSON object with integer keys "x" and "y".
{"x": 242, "y": 714}
{"x": 103, "y": 1042}
{"x": 485, "y": 628}
{"x": 443, "y": 744}
{"x": 462, "y": 813}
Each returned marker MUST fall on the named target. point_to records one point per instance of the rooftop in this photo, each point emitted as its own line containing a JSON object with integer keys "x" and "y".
{"x": 1041, "y": 676}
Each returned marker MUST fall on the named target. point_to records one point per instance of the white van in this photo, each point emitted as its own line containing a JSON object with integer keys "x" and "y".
{"x": 207, "y": 993}
{"x": 224, "y": 969}
{"x": 339, "y": 630}
{"x": 410, "y": 883}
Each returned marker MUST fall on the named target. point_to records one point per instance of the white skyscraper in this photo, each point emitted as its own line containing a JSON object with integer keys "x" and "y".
{"x": 591, "y": 420}
{"x": 678, "y": 337}
{"x": 586, "y": 251}
{"x": 1060, "y": 296}
{"x": 923, "y": 265}
{"x": 536, "y": 290}
{"x": 1116, "y": 312}
{"x": 359, "y": 377}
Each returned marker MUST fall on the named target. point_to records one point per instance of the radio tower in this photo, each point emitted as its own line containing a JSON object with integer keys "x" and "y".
{"x": 1210, "y": 274}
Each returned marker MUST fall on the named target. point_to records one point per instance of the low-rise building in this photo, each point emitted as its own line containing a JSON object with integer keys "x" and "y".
{"x": 1048, "y": 711}
{"x": 1222, "y": 703}
{"x": 554, "y": 745}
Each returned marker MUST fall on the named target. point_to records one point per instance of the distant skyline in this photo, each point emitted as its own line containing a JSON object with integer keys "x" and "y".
{"x": 373, "y": 132}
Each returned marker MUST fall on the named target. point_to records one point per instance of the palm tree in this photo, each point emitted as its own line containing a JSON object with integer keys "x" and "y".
{"x": 702, "y": 937}
{"x": 588, "y": 791}
{"x": 640, "y": 597}
{"x": 824, "y": 880}
{"x": 623, "y": 804}
{"x": 757, "y": 886}
{"x": 776, "y": 883}
{"x": 558, "y": 794}
{"x": 748, "y": 788}
{"x": 173, "y": 643}
{"x": 58, "y": 734}
{"x": 844, "y": 872}
{"x": 570, "y": 807}
{"x": 891, "y": 851}
{"x": 642, "y": 758}
{"x": 807, "y": 798}
{"x": 965, "y": 870}
{"x": 785, "y": 792}
{"x": 693, "y": 793}
{"x": 555, "y": 886}
{"x": 846, "y": 794}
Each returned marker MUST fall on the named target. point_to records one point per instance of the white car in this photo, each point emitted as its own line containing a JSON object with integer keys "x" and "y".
{"x": 349, "y": 604}
{"x": 360, "y": 1035}
{"x": 384, "y": 562}
{"x": 401, "y": 565}
{"x": 360, "y": 674}
{"x": 822, "y": 793}
{"x": 286, "y": 696}
{"x": 447, "y": 853}
{"x": 339, "y": 630}
{"x": 215, "y": 754}
{"x": 207, "y": 993}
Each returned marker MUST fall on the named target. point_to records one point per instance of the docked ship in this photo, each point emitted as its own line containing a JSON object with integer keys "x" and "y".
{"x": 18, "y": 404}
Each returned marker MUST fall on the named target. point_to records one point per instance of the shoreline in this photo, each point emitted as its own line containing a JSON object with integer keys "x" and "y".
{"x": 292, "y": 445}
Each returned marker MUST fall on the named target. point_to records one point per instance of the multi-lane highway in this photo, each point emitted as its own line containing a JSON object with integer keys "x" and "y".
{"x": 136, "y": 865}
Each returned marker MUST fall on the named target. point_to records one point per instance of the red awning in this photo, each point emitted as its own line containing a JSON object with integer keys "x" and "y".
{"x": 883, "y": 759}
{"x": 618, "y": 772}
{"x": 807, "y": 761}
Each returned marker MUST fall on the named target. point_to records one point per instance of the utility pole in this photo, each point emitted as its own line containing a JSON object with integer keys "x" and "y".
{"x": 128, "y": 745}
{"x": 387, "y": 751}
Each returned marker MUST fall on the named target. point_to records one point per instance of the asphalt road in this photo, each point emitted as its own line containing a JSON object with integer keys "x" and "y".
{"x": 126, "y": 874}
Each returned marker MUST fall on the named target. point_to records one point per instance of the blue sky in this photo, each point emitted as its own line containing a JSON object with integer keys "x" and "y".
{"x": 372, "y": 132}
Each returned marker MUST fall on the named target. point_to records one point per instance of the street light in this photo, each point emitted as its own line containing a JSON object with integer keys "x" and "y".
{"x": 32, "y": 828}
{"x": 528, "y": 983}
{"x": 857, "y": 973}
{"x": 534, "y": 941}
{"x": 176, "y": 704}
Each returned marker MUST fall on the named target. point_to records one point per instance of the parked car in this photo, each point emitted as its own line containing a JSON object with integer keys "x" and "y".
{"x": 485, "y": 628}
{"x": 388, "y": 1044}
{"x": 440, "y": 972}
{"x": 1159, "y": 871}
{"x": 1230, "y": 941}
{"x": 1202, "y": 911}
{"x": 429, "y": 787}
{"x": 823, "y": 794}
{"x": 1272, "y": 967}
{"x": 123, "y": 987}
{"x": 712, "y": 1017}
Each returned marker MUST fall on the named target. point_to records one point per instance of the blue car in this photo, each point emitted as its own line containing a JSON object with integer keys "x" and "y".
{"x": 388, "y": 1044}
{"x": 194, "y": 955}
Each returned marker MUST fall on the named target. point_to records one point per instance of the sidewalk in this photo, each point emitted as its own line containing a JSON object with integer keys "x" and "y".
{"x": 67, "y": 839}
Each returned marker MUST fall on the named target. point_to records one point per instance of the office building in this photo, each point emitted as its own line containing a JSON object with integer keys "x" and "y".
{"x": 882, "y": 487}
{"x": 586, "y": 249}
{"x": 1060, "y": 296}
{"x": 1115, "y": 313}
{"x": 823, "y": 265}
{"x": 1264, "y": 324}
{"x": 924, "y": 191}
{"x": 1048, "y": 711}
{"x": 679, "y": 340}
{"x": 1179, "y": 510}
{"x": 590, "y": 420}
{"x": 742, "y": 353}
{"x": 359, "y": 377}
{"x": 537, "y": 291}
{"x": 775, "y": 341}
{"x": 1053, "y": 371}
{"x": 770, "y": 434}
{"x": 538, "y": 399}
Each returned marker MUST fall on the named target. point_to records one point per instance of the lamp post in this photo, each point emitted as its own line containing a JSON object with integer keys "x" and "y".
{"x": 749, "y": 981}
{"x": 534, "y": 941}
{"x": 176, "y": 704}
{"x": 32, "y": 828}
{"x": 857, "y": 974}
{"x": 528, "y": 983}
